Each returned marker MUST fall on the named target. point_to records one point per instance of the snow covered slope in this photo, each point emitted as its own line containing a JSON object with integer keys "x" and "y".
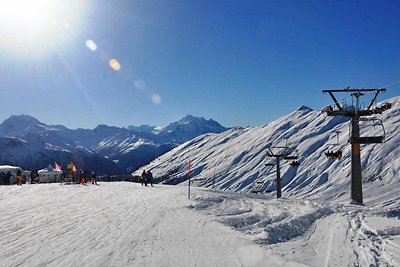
{"x": 126, "y": 224}
{"x": 235, "y": 160}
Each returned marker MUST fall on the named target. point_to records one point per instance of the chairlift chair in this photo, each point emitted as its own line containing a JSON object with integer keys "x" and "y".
{"x": 291, "y": 156}
{"x": 334, "y": 154}
{"x": 338, "y": 154}
{"x": 294, "y": 164}
{"x": 370, "y": 139}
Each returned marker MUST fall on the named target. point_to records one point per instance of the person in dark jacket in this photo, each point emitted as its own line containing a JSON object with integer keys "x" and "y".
{"x": 94, "y": 178}
{"x": 150, "y": 177}
{"x": 2, "y": 178}
{"x": 144, "y": 177}
{"x": 33, "y": 176}
{"x": 8, "y": 177}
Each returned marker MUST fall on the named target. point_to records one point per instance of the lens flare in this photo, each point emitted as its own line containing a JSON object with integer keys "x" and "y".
{"x": 140, "y": 85}
{"x": 156, "y": 98}
{"x": 114, "y": 64}
{"x": 91, "y": 45}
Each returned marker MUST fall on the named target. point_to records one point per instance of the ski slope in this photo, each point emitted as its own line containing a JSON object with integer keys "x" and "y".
{"x": 236, "y": 160}
{"x": 126, "y": 224}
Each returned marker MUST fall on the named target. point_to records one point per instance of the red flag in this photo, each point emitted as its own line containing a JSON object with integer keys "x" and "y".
{"x": 57, "y": 166}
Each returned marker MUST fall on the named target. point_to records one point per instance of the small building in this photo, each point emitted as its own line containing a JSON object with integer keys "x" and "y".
{"x": 50, "y": 175}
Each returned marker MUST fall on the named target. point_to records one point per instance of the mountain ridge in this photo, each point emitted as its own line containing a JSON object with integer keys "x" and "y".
{"x": 120, "y": 149}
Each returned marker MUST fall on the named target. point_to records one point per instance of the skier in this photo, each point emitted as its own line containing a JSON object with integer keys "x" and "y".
{"x": 144, "y": 177}
{"x": 94, "y": 178}
{"x": 2, "y": 178}
{"x": 19, "y": 177}
{"x": 7, "y": 178}
{"x": 82, "y": 177}
{"x": 150, "y": 177}
{"x": 33, "y": 176}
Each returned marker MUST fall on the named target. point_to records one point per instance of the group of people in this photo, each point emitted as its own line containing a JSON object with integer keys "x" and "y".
{"x": 86, "y": 175}
{"x": 5, "y": 178}
{"x": 146, "y": 178}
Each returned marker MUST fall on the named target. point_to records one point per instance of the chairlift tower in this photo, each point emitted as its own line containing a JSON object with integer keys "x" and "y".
{"x": 357, "y": 114}
{"x": 284, "y": 154}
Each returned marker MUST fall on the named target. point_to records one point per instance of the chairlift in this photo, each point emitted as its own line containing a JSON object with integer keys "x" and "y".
{"x": 290, "y": 156}
{"x": 334, "y": 154}
{"x": 370, "y": 139}
{"x": 338, "y": 154}
{"x": 294, "y": 164}
{"x": 383, "y": 107}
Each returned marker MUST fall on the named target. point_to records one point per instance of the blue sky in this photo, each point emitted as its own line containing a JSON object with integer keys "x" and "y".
{"x": 238, "y": 62}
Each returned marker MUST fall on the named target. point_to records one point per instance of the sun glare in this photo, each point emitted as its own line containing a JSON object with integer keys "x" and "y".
{"x": 26, "y": 11}
{"x": 35, "y": 24}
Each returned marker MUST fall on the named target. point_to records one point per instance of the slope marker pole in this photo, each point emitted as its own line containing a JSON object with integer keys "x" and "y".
{"x": 189, "y": 179}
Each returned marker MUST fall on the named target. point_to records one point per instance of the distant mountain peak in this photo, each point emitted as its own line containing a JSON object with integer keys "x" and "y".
{"x": 304, "y": 108}
{"x": 190, "y": 118}
{"x": 23, "y": 119}
{"x": 189, "y": 127}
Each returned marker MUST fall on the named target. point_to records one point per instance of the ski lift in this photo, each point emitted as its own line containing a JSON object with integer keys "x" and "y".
{"x": 293, "y": 156}
{"x": 370, "y": 139}
{"x": 334, "y": 154}
{"x": 294, "y": 164}
{"x": 383, "y": 107}
{"x": 338, "y": 154}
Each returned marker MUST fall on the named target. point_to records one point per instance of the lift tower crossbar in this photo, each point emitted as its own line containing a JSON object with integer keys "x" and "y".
{"x": 356, "y": 115}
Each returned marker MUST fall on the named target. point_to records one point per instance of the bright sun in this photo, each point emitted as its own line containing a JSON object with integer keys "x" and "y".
{"x": 27, "y": 11}
{"x": 32, "y": 25}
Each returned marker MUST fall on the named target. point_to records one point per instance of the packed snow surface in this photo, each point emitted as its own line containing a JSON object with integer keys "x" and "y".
{"x": 126, "y": 224}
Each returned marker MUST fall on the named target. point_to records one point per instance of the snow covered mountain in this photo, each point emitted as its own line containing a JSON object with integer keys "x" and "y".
{"x": 190, "y": 127}
{"x": 236, "y": 159}
{"x": 27, "y": 142}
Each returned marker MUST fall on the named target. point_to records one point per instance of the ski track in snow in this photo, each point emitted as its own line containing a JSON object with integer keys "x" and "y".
{"x": 311, "y": 233}
{"x": 126, "y": 224}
